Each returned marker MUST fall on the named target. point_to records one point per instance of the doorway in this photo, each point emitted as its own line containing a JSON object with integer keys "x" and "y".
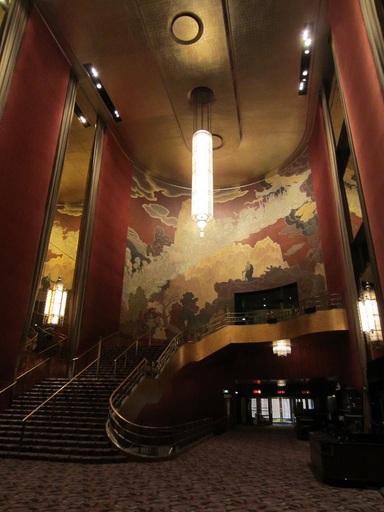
{"x": 268, "y": 411}
{"x": 281, "y": 410}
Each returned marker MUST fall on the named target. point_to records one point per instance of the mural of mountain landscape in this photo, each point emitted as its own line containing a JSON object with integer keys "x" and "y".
{"x": 175, "y": 280}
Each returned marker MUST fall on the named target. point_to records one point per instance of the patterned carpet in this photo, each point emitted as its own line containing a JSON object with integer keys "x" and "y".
{"x": 250, "y": 469}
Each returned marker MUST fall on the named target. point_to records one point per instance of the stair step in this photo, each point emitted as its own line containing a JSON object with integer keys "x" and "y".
{"x": 71, "y": 427}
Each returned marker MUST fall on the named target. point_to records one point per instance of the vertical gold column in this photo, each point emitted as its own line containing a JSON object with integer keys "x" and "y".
{"x": 10, "y": 44}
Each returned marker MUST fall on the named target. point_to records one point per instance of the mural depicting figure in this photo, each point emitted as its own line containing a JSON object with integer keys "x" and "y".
{"x": 184, "y": 281}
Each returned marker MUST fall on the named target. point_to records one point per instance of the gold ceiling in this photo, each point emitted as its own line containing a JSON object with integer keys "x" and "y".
{"x": 247, "y": 52}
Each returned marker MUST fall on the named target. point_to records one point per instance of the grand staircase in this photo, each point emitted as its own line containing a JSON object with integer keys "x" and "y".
{"x": 70, "y": 427}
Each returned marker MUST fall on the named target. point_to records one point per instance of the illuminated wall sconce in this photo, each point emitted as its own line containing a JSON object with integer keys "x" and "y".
{"x": 202, "y": 159}
{"x": 281, "y": 347}
{"x": 55, "y": 303}
{"x": 369, "y": 315}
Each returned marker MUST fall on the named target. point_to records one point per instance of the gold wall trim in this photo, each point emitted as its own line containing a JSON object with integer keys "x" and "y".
{"x": 85, "y": 238}
{"x": 373, "y": 28}
{"x": 14, "y": 29}
{"x": 52, "y": 198}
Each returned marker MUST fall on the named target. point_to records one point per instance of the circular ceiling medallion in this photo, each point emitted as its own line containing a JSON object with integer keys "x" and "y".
{"x": 217, "y": 141}
{"x": 186, "y": 28}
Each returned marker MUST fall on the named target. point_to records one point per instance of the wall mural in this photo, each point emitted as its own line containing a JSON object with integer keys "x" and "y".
{"x": 175, "y": 280}
{"x": 61, "y": 256}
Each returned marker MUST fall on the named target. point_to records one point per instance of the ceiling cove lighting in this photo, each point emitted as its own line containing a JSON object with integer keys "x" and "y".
{"x": 94, "y": 76}
{"x": 306, "y": 50}
{"x": 369, "y": 315}
{"x": 202, "y": 159}
{"x": 55, "y": 303}
{"x": 281, "y": 347}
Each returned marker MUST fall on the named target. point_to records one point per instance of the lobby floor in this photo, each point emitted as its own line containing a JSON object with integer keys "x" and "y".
{"x": 249, "y": 469}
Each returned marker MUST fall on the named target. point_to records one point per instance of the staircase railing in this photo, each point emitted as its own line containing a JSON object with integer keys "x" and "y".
{"x": 134, "y": 345}
{"x": 311, "y": 305}
{"x": 62, "y": 338}
{"x": 96, "y": 361}
{"x": 96, "y": 348}
{"x": 156, "y": 442}
{"x": 146, "y": 441}
{"x": 49, "y": 399}
{"x": 10, "y": 388}
{"x": 163, "y": 442}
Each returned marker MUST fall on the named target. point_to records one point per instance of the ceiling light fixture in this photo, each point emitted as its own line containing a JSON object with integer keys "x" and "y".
{"x": 81, "y": 116}
{"x": 281, "y": 347}
{"x": 306, "y": 47}
{"x": 94, "y": 76}
{"x": 202, "y": 159}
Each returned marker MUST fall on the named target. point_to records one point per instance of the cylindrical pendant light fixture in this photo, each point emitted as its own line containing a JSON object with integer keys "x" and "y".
{"x": 55, "y": 303}
{"x": 202, "y": 159}
{"x": 369, "y": 315}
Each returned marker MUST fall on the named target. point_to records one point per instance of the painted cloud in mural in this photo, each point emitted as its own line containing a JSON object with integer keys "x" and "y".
{"x": 157, "y": 211}
{"x": 267, "y": 223}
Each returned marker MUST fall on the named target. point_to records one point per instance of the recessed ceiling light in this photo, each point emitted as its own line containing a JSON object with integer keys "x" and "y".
{"x": 81, "y": 117}
{"x": 306, "y": 43}
{"x": 93, "y": 74}
{"x": 186, "y": 28}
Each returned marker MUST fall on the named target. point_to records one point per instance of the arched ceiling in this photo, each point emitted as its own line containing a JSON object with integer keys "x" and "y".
{"x": 248, "y": 52}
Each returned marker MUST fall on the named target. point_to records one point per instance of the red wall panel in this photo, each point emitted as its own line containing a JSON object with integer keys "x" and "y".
{"x": 326, "y": 207}
{"x": 101, "y": 313}
{"x": 330, "y": 235}
{"x": 365, "y": 106}
{"x": 29, "y": 130}
{"x": 196, "y": 391}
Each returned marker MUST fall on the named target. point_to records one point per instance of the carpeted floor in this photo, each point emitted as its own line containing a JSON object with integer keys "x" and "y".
{"x": 250, "y": 469}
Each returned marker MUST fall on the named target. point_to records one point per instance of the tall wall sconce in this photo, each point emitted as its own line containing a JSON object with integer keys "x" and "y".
{"x": 55, "y": 304}
{"x": 369, "y": 315}
{"x": 202, "y": 159}
{"x": 281, "y": 347}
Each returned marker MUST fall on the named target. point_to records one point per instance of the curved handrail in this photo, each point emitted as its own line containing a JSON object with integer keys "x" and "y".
{"x": 317, "y": 303}
{"x": 171, "y": 348}
{"x": 163, "y": 442}
{"x": 156, "y": 442}
{"x": 147, "y": 441}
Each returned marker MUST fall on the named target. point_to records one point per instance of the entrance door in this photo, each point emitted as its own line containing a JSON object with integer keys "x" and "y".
{"x": 281, "y": 410}
{"x": 261, "y": 411}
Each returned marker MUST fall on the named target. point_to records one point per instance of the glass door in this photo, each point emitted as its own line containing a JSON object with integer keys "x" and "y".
{"x": 281, "y": 410}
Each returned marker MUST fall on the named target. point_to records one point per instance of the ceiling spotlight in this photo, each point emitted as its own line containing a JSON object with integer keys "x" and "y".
{"x": 81, "y": 117}
{"x": 93, "y": 75}
{"x": 306, "y": 43}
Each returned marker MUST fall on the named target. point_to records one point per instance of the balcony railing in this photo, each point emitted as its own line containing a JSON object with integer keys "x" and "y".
{"x": 164, "y": 442}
